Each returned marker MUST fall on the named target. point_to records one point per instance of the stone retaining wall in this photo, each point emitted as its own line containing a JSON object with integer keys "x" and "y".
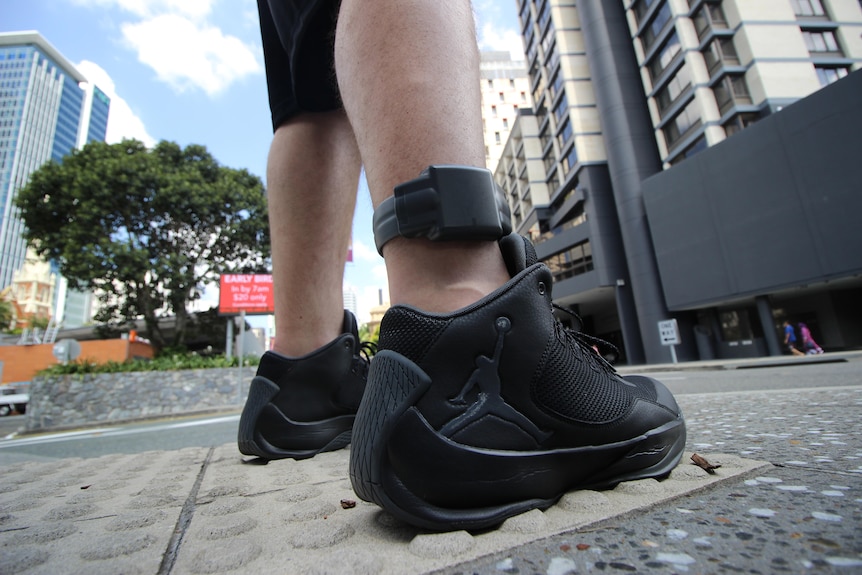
{"x": 81, "y": 399}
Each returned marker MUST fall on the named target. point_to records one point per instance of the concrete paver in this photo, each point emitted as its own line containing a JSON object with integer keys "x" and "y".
{"x": 209, "y": 511}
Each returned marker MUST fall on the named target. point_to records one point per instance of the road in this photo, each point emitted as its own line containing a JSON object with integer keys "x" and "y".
{"x": 211, "y": 430}
{"x": 196, "y": 431}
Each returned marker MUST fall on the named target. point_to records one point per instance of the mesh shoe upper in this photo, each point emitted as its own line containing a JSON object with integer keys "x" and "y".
{"x": 544, "y": 372}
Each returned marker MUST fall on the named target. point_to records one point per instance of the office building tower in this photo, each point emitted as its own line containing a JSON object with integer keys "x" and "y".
{"x": 46, "y": 111}
{"x": 627, "y": 95}
{"x": 351, "y": 303}
{"x": 505, "y": 90}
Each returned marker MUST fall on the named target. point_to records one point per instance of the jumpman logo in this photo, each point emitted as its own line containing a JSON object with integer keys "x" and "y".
{"x": 486, "y": 377}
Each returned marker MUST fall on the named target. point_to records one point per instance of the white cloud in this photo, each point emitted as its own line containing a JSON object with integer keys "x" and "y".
{"x": 122, "y": 121}
{"x": 187, "y": 54}
{"x": 379, "y": 273}
{"x": 177, "y": 39}
{"x": 361, "y": 251}
{"x": 492, "y": 37}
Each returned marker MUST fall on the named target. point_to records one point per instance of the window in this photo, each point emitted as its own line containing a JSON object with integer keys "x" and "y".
{"x": 525, "y": 10}
{"x": 677, "y": 85}
{"x": 808, "y": 8}
{"x": 641, "y": 7}
{"x": 561, "y": 108}
{"x": 502, "y": 97}
{"x": 565, "y": 134}
{"x": 570, "y": 160}
{"x": 720, "y": 51}
{"x": 552, "y": 58}
{"x": 664, "y": 57}
{"x": 709, "y": 16}
{"x": 505, "y": 123}
{"x": 497, "y": 137}
{"x": 655, "y": 27}
{"x": 698, "y": 146}
{"x": 556, "y": 85}
{"x": 829, "y": 75}
{"x": 820, "y": 41}
{"x": 735, "y": 325}
{"x": 739, "y": 122}
{"x": 731, "y": 90}
{"x": 680, "y": 125}
{"x": 549, "y": 159}
{"x": 544, "y": 14}
{"x": 545, "y": 137}
{"x": 572, "y": 262}
{"x": 494, "y": 111}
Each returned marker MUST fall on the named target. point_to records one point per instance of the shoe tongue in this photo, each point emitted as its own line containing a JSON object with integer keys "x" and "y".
{"x": 518, "y": 253}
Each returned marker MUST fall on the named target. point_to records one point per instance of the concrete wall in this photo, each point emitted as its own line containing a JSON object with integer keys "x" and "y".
{"x": 76, "y": 400}
{"x": 22, "y": 362}
{"x": 773, "y": 207}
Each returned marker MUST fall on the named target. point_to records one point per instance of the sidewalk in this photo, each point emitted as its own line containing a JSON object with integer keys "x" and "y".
{"x": 746, "y": 363}
{"x": 210, "y": 510}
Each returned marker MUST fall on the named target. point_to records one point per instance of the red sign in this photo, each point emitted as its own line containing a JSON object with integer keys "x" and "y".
{"x": 251, "y": 293}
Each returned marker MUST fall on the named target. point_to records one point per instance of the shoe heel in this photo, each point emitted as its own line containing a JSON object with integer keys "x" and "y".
{"x": 260, "y": 393}
{"x": 394, "y": 385}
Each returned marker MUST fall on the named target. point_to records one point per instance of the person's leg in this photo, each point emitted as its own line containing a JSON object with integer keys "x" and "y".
{"x": 408, "y": 74}
{"x": 305, "y": 394}
{"x": 312, "y": 178}
{"x": 479, "y": 404}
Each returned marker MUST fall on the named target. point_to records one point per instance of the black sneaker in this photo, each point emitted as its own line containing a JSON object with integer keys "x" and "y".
{"x": 475, "y": 416}
{"x": 300, "y": 406}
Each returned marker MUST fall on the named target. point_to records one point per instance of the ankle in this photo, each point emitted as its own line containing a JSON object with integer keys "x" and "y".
{"x": 297, "y": 337}
{"x": 442, "y": 277}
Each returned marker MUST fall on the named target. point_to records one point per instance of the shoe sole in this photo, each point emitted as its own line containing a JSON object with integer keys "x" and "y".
{"x": 402, "y": 464}
{"x": 314, "y": 437}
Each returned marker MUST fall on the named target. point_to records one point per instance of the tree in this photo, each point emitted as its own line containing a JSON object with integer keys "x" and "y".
{"x": 6, "y": 314}
{"x": 145, "y": 229}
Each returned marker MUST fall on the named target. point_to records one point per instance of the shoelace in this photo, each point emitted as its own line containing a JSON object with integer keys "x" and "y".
{"x": 366, "y": 351}
{"x": 590, "y": 348}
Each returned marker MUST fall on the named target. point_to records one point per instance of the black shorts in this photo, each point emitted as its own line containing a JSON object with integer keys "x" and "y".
{"x": 298, "y": 38}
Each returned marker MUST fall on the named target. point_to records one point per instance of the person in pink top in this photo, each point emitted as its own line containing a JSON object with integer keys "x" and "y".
{"x": 808, "y": 344}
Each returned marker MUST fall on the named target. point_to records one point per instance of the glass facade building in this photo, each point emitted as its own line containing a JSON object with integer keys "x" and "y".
{"x": 46, "y": 110}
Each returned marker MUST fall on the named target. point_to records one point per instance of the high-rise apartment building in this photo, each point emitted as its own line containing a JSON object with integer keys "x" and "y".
{"x": 505, "y": 90}
{"x": 627, "y": 90}
{"x": 46, "y": 110}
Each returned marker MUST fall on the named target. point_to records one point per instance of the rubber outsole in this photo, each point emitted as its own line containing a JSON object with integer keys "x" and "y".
{"x": 399, "y": 462}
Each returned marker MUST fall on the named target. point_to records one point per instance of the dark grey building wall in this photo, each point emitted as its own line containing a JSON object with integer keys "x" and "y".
{"x": 775, "y": 206}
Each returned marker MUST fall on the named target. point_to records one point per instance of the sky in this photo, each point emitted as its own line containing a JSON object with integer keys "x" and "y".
{"x": 191, "y": 72}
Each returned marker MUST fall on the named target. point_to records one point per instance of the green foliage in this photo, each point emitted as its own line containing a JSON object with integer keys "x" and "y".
{"x": 6, "y": 315}
{"x": 38, "y": 322}
{"x": 145, "y": 229}
{"x": 366, "y": 334}
{"x": 173, "y": 362}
